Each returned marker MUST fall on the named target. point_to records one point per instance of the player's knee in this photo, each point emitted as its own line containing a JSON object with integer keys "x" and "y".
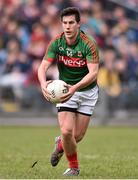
{"x": 79, "y": 137}
{"x": 66, "y": 133}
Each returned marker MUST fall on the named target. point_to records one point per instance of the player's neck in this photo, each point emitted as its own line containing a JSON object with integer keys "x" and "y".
{"x": 71, "y": 41}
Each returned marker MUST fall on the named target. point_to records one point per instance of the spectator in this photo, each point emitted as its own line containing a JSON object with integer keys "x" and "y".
{"x": 109, "y": 81}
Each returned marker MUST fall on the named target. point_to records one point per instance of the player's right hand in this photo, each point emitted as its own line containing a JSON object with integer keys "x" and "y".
{"x": 44, "y": 89}
{"x": 69, "y": 94}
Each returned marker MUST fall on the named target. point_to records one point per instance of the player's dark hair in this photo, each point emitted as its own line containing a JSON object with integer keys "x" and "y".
{"x": 71, "y": 11}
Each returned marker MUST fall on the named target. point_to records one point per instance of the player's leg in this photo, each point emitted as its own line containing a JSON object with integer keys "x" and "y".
{"x": 81, "y": 125}
{"x": 84, "y": 112}
{"x": 67, "y": 122}
{"x": 71, "y": 105}
{"x": 79, "y": 130}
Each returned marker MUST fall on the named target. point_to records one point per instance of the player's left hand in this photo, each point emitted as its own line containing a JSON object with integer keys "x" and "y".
{"x": 69, "y": 94}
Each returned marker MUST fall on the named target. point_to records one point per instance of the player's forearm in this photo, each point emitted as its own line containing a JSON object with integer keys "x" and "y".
{"x": 42, "y": 71}
{"x": 87, "y": 80}
{"x": 41, "y": 75}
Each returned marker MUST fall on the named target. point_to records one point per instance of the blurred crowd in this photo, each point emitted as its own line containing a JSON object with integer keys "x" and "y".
{"x": 27, "y": 26}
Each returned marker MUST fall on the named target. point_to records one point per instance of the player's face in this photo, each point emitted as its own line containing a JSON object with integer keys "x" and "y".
{"x": 70, "y": 26}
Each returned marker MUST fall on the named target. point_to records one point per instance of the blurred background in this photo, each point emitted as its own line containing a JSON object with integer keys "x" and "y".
{"x": 27, "y": 26}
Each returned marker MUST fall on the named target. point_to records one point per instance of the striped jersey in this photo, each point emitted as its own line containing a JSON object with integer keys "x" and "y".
{"x": 72, "y": 59}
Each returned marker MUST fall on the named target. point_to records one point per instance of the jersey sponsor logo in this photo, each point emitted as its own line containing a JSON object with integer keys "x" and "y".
{"x": 72, "y": 62}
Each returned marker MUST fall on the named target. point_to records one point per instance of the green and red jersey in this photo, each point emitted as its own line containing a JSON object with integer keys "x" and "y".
{"x": 72, "y": 59}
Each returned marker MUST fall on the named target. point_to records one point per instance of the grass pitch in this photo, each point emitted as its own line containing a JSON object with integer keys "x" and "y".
{"x": 105, "y": 152}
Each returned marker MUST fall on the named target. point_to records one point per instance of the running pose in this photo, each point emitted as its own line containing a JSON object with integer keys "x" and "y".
{"x": 77, "y": 57}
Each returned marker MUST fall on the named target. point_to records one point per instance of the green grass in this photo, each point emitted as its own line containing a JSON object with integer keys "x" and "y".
{"x": 106, "y": 152}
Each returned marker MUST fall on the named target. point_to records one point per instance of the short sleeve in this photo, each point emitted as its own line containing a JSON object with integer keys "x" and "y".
{"x": 92, "y": 54}
{"x": 50, "y": 54}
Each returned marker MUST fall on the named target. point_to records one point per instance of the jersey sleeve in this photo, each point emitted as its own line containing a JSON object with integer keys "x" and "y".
{"x": 50, "y": 54}
{"x": 92, "y": 54}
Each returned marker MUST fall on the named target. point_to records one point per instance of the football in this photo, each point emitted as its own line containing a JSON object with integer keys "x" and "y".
{"x": 57, "y": 88}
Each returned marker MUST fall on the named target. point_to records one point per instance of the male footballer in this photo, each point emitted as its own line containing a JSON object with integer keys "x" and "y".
{"x": 77, "y": 57}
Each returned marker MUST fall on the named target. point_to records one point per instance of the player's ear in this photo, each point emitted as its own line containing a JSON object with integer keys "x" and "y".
{"x": 79, "y": 23}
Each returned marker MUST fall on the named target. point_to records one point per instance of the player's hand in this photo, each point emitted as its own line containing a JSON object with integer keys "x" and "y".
{"x": 69, "y": 94}
{"x": 44, "y": 89}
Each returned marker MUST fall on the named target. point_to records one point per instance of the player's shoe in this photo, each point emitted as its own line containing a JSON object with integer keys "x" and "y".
{"x": 56, "y": 155}
{"x": 71, "y": 172}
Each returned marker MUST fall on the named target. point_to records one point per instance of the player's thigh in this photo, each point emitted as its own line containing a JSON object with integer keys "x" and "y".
{"x": 67, "y": 121}
{"x": 81, "y": 125}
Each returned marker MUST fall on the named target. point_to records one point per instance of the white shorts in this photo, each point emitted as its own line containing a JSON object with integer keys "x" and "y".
{"x": 81, "y": 102}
